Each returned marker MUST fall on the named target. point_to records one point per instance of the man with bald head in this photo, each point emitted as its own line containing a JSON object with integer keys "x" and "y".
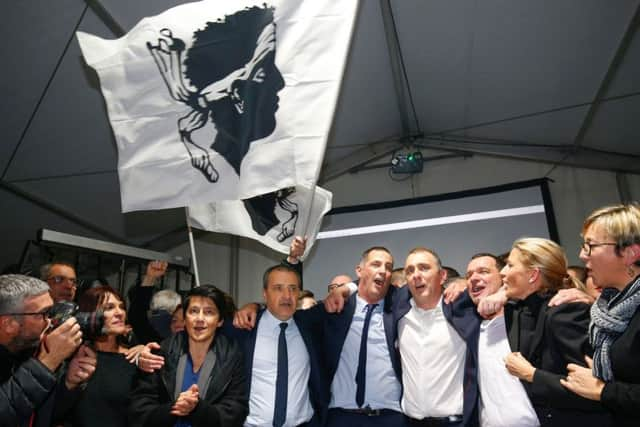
{"x": 339, "y": 281}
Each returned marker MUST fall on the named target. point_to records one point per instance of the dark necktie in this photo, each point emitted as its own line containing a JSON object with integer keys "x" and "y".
{"x": 362, "y": 357}
{"x": 280, "y": 407}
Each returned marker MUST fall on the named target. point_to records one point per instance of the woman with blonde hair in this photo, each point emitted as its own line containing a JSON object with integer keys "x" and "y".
{"x": 545, "y": 339}
{"x": 611, "y": 253}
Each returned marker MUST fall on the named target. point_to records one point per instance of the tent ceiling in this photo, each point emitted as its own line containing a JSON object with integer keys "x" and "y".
{"x": 542, "y": 80}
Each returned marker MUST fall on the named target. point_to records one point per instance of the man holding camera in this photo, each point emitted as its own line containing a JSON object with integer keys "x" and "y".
{"x": 30, "y": 355}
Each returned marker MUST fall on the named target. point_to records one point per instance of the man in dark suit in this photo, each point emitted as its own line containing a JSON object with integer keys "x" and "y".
{"x": 360, "y": 345}
{"x": 297, "y": 395}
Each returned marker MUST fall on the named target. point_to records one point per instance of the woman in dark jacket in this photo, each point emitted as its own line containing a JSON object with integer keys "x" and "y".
{"x": 545, "y": 339}
{"x": 611, "y": 252}
{"x": 202, "y": 381}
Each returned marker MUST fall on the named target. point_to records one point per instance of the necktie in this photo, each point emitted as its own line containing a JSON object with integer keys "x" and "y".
{"x": 280, "y": 407}
{"x": 362, "y": 357}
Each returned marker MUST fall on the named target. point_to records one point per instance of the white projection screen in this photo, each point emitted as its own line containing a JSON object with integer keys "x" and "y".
{"x": 455, "y": 225}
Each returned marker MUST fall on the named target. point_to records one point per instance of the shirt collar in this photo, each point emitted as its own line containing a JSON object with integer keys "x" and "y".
{"x": 273, "y": 323}
{"x": 361, "y": 304}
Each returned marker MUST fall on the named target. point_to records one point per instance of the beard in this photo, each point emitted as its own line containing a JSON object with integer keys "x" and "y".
{"x": 25, "y": 344}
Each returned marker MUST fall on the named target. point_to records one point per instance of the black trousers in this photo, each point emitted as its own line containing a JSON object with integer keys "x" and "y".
{"x": 432, "y": 422}
{"x": 387, "y": 418}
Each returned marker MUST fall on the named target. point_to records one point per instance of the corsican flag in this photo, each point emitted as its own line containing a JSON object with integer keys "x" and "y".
{"x": 222, "y": 100}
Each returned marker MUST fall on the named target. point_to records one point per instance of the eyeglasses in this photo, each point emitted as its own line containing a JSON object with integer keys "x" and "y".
{"x": 44, "y": 314}
{"x": 333, "y": 286}
{"x": 60, "y": 279}
{"x": 587, "y": 246}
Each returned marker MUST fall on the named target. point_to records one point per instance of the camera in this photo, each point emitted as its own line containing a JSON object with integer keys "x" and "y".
{"x": 91, "y": 323}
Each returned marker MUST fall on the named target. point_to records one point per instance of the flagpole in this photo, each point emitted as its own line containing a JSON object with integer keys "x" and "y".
{"x": 193, "y": 247}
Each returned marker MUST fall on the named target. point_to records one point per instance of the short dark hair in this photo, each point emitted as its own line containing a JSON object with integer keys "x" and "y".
{"x": 279, "y": 267}
{"x": 422, "y": 249}
{"x": 306, "y": 294}
{"x": 498, "y": 259}
{"x": 366, "y": 253}
{"x": 206, "y": 291}
{"x": 45, "y": 270}
{"x": 452, "y": 273}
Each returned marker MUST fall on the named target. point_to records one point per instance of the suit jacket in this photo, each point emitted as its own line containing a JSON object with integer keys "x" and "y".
{"x": 336, "y": 328}
{"x": 222, "y": 404}
{"x": 622, "y": 395}
{"x": 550, "y": 338}
{"x": 311, "y": 335}
{"x": 461, "y": 315}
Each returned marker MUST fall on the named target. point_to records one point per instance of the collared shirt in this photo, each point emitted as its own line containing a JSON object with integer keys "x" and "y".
{"x": 382, "y": 389}
{"x": 265, "y": 370}
{"x": 503, "y": 400}
{"x": 433, "y": 356}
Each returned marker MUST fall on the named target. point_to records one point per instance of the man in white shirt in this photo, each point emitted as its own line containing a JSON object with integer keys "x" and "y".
{"x": 432, "y": 352}
{"x": 281, "y": 340}
{"x": 503, "y": 401}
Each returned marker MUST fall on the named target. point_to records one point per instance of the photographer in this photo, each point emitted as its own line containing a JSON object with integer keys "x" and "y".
{"x": 29, "y": 356}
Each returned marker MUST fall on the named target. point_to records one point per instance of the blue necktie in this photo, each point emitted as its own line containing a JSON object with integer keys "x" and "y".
{"x": 280, "y": 407}
{"x": 362, "y": 357}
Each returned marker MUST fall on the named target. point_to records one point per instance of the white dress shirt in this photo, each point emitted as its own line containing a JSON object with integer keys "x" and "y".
{"x": 265, "y": 369}
{"x": 503, "y": 400}
{"x": 433, "y": 356}
{"x": 382, "y": 388}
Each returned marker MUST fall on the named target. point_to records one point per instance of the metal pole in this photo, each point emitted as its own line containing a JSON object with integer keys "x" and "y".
{"x": 193, "y": 248}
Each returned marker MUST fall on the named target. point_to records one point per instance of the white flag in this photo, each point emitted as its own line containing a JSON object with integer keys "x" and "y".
{"x": 273, "y": 219}
{"x": 222, "y": 100}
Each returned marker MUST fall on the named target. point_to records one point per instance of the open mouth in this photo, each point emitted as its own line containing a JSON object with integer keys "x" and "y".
{"x": 477, "y": 289}
{"x": 378, "y": 281}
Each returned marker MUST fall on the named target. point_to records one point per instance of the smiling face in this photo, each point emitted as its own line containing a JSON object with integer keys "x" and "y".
{"x": 424, "y": 278}
{"x": 374, "y": 273}
{"x": 202, "y": 319}
{"x": 115, "y": 315}
{"x": 281, "y": 294}
{"x": 519, "y": 278}
{"x": 483, "y": 278}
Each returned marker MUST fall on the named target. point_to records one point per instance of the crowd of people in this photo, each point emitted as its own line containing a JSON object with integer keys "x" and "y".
{"x": 519, "y": 340}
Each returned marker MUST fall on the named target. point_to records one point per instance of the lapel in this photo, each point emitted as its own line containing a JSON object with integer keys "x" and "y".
{"x": 462, "y": 316}
{"x": 179, "y": 345}
{"x": 249, "y": 348}
{"x": 336, "y": 329}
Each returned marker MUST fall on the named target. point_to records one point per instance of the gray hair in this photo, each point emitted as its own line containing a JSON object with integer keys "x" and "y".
{"x": 15, "y": 288}
{"x": 45, "y": 270}
{"x": 166, "y": 300}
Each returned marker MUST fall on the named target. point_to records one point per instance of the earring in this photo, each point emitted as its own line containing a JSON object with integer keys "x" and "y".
{"x": 630, "y": 272}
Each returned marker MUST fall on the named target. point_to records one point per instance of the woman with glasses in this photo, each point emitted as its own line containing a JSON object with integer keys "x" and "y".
{"x": 105, "y": 398}
{"x": 611, "y": 253}
{"x": 545, "y": 339}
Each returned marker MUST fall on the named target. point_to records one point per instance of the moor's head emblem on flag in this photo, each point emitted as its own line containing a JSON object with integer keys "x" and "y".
{"x": 227, "y": 77}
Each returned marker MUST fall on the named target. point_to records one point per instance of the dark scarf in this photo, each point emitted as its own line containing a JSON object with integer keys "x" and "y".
{"x": 610, "y": 316}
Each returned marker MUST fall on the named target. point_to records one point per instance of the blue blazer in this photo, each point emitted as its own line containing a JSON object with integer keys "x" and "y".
{"x": 462, "y": 316}
{"x": 311, "y": 335}
{"x": 336, "y": 328}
